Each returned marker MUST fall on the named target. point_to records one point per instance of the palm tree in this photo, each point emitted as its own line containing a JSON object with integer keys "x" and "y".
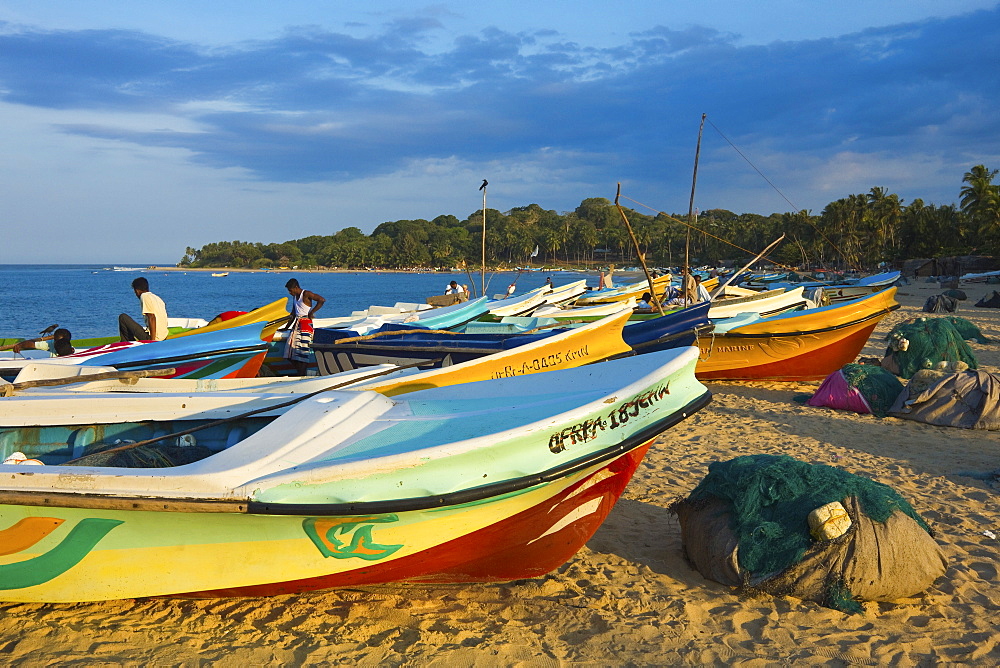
{"x": 981, "y": 199}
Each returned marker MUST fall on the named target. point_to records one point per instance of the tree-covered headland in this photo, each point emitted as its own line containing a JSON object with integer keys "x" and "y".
{"x": 858, "y": 231}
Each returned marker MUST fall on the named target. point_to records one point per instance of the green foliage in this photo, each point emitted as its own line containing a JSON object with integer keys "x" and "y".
{"x": 859, "y": 231}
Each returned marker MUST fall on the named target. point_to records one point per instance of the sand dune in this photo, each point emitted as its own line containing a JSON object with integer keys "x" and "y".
{"x": 629, "y": 597}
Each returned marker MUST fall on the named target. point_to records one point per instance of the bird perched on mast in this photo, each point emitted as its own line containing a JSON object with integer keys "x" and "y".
{"x": 485, "y": 183}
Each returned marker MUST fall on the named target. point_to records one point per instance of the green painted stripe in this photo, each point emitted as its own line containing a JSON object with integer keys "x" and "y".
{"x": 74, "y": 547}
{"x": 226, "y": 364}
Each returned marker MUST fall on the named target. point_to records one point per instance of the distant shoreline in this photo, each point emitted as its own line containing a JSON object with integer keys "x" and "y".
{"x": 244, "y": 270}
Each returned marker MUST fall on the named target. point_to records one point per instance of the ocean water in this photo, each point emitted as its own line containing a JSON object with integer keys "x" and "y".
{"x": 86, "y": 299}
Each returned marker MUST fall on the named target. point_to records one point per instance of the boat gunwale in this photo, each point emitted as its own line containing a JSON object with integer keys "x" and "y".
{"x": 480, "y": 493}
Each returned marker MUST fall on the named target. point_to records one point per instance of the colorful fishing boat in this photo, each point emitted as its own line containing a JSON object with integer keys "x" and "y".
{"x": 566, "y": 294}
{"x": 594, "y": 342}
{"x": 516, "y": 306}
{"x": 445, "y": 317}
{"x": 803, "y": 345}
{"x": 583, "y": 313}
{"x": 339, "y": 351}
{"x": 273, "y": 315}
{"x": 631, "y": 291}
{"x": 481, "y": 482}
{"x": 236, "y": 352}
{"x": 765, "y": 304}
{"x": 47, "y": 379}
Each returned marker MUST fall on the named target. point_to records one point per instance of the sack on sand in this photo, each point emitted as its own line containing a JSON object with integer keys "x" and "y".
{"x": 746, "y": 525}
{"x": 970, "y": 400}
{"x": 940, "y": 303}
{"x": 861, "y": 388}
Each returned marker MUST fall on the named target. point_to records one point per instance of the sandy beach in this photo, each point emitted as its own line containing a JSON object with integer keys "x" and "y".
{"x": 629, "y": 597}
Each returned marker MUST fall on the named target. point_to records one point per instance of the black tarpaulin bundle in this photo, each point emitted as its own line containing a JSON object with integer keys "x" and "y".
{"x": 940, "y": 304}
{"x": 991, "y": 300}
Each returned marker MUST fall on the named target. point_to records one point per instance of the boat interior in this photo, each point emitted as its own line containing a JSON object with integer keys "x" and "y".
{"x": 102, "y": 444}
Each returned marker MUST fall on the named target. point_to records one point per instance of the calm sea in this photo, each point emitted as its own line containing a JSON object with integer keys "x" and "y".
{"x": 86, "y": 299}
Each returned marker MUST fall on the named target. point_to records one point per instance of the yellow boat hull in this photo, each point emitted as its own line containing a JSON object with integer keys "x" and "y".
{"x": 591, "y": 343}
{"x": 274, "y": 314}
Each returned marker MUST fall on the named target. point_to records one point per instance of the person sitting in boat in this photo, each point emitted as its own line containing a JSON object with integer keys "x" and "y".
{"x": 154, "y": 312}
{"x": 701, "y": 293}
{"x": 299, "y": 342}
{"x": 59, "y": 346}
{"x": 454, "y": 288}
{"x": 645, "y": 302}
{"x": 673, "y": 297}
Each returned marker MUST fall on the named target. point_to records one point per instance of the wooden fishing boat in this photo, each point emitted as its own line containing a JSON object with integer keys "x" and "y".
{"x": 566, "y": 294}
{"x": 445, "y": 317}
{"x": 804, "y": 345}
{"x": 633, "y": 291}
{"x": 337, "y": 352}
{"x": 236, "y": 352}
{"x": 519, "y": 305}
{"x": 765, "y": 304}
{"x": 481, "y": 482}
{"x": 583, "y": 313}
{"x": 48, "y": 379}
{"x": 398, "y": 311}
{"x": 571, "y": 348}
{"x": 851, "y": 288}
{"x": 274, "y": 315}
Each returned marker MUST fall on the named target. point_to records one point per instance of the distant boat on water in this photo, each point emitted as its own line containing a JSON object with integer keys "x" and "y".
{"x": 224, "y": 273}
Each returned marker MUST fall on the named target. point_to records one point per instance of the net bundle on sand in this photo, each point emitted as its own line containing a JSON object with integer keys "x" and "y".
{"x": 931, "y": 343}
{"x": 862, "y": 388}
{"x": 747, "y": 525}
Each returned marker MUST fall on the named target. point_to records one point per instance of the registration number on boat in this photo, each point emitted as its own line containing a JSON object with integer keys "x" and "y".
{"x": 542, "y": 363}
{"x": 617, "y": 418}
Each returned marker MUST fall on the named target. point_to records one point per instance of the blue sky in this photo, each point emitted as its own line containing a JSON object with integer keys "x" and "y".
{"x": 133, "y": 129}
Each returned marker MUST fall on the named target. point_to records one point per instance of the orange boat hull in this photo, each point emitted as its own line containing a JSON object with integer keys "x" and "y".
{"x": 809, "y": 346}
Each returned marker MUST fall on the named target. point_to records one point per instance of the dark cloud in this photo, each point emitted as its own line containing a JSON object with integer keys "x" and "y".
{"x": 313, "y": 104}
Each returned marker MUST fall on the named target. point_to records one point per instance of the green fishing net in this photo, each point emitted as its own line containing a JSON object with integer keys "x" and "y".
{"x": 966, "y": 329}
{"x": 878, "y": 386}
{"x": 771, "y": 497}
{"x": 931, "y": 343}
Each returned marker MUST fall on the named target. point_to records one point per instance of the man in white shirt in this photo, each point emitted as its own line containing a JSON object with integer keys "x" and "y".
{"x": 154, "y": 312}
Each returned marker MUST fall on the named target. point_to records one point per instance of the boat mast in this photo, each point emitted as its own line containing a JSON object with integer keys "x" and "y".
{"x": 482, "y": 274}
{"x": 687, "y": 241}
{"x": 638, "y": 251}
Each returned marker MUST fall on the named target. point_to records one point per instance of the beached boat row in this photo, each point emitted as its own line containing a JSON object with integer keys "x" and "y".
{"x": 443, "y": 446}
